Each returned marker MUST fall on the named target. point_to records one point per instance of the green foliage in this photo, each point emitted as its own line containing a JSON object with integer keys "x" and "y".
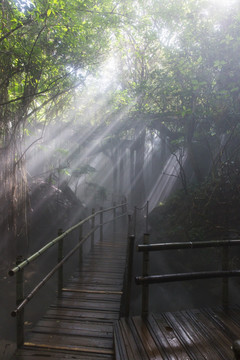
{"x": 209, "y": 211}
{"x": 177, "y": 72}
{"x": 47, "y": 49}
{"x": 83, "y": 170}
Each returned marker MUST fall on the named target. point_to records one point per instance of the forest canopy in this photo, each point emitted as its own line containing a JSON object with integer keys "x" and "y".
{"x": 155, "y": 77}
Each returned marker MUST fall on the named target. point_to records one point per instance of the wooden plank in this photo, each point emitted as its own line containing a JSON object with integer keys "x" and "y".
{"x": 42, "y": 354}
{"x": 59, "y": 313}
{"x": 182, "y": 335}
{"x": 99, "y": 292}
{"x": 166, "y": 338}
{"x": 153, "y": 352}
{"x": 132, "y": 349}
{"x": 100, "y": 274}
{"x": 210, "y": 345}
{"x": 89, "y": 269}
{"x": 220, "y": 346}
{"x": 73, "y": 332}
{"x": 71, "y": 340}
{"x": 98, "y": 277}
{"x": 225, "y": 323}
{"x": 135, "y": 343}
{"x": 235, "y": 315}
{"x": 185, "y": 335}
{"x": 90, "y": 305}
{"x": 97, "y": 281}
{"x": 97, "y": 287}
{"x": 119, "y": 344}
{"x": 92, "y": 328}
{"x": 70, "y": 348}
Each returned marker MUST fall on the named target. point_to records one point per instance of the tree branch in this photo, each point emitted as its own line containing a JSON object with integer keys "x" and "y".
{"x": 9, "y": 33}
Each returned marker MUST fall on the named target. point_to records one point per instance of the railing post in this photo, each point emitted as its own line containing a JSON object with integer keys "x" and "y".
{"x": 80, "y": 248}
{"x": 101, "y": 223}
{"x": 147, "y": 209}
{"x": 123, "y": 220}
{"x": 129, "y": 224}
{"x": 114, "y": 217}
{"x": 145, "y": 270}
{"x": 225, "y": 281}
{"x": 60, "y": 257}
{"x": 131, "y": 241}
{"x": 19, "y": 299}
{"x": 135, "y": 220}
{"x": 93, "y": 225}
{"x": 236, "y": 349}
{"x": 122, "y": 202}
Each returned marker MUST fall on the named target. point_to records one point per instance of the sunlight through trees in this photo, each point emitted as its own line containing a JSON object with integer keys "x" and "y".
{"x": 99, "y": 95}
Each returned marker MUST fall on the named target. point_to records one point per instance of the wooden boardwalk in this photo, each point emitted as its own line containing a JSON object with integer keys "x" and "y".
{"x": 80, "y": 324}
{"x": 183, "y": 335}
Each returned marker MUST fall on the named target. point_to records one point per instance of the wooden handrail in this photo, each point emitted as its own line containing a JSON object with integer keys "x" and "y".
{"x": 159, "y": 279}
{"x": 147, "y": 279}
{"x": 187, "y": 245}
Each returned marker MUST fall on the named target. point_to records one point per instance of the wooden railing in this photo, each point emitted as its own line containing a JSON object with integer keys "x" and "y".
{"x": 143, "y": 219}
{"x": 128, "y": 276}
{"x": 145, "y": 280}
{"x": 18, "y": 270}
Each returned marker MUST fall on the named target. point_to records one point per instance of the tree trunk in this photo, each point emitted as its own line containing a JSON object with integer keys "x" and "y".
{"x": 139, "y": 186}
{"x": 14, "y": 208}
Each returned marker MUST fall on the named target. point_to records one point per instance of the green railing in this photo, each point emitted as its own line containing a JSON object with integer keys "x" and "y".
{"x": 18, "y": 270}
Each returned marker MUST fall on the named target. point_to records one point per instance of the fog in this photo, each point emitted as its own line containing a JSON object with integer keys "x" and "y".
{"x": 158, "y": 116}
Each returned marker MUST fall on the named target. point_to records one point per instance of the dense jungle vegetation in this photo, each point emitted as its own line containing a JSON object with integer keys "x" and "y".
{"x": 83, "y": 77}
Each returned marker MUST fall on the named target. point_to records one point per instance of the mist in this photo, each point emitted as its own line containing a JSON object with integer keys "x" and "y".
{"x": 124, "y": 102}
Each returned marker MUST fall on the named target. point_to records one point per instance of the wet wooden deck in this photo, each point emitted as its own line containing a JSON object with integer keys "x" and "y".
{"x": 183, "y": 335}
{"x": 80, "y": 324}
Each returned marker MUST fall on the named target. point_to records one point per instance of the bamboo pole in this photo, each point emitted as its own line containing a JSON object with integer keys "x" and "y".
{"x": 147, "y": 209}
{"x": 19, "y": 299}
{"x": 101, "y": 224}
{"x": 15, "y": 312}
{"x": 225, "y": 280}
{"x": 129, "y": 224}
{"x": 80, "y": 253}
{"x": 145, "y": 270}
{"x": 53, "y": 242}
{"x": 93, "y": 225}
{"x": 188, "y": 245}
{"x": 236, "y": 349}
{"x": 114, "y": 218}
{"x": 158, "y": 279}
{"x": 131, "y": 241}
{"x": 134, "y": 220}
{"x": 60, "y": 257}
